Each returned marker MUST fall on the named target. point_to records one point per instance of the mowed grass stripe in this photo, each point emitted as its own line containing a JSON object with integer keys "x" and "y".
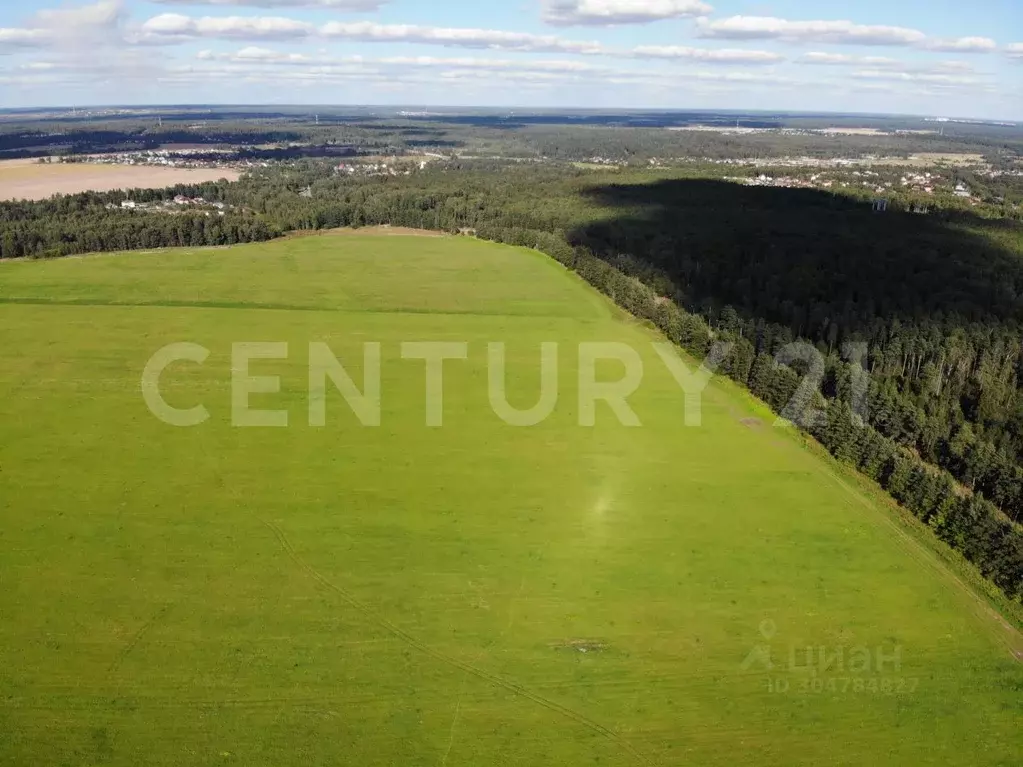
{"x": 259, "y": 306}
{"x": 152, "y": 615}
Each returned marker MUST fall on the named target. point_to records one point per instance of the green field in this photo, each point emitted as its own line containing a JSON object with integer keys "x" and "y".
{"x": 475, "y": 593}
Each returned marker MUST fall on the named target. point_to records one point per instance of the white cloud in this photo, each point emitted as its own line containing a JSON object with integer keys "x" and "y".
{"x": 837, "y": 32}
{"x": 283, "y": 70}
{"x": 407, "y": 71}
{"x": 94, "y": 47}
{"x": 614, "y": 12}
{"x": 954, "y": 66}
{"x": 483, "y": 65}
{"x": 256, "y": 54}
{"x": 175, "y": 27}
{"x": 842, "y": 59}
{"x": 263, "y": 56}
{"x": 172, "y": 28}
{"x": 962, "y": 45}
{"x": 263, "y": 65}
{"x": 456, "y": 37}
{"x": 117, "y": 71}
{"x": 95, "y": 24}
{"x": 90, "y": 44}
{"x": 106, "y": 13}
{"x": 916, "y": 77}
{"x": 341, "y": 5}
{"x": 720, "y": 55}
{"x": 742, "y": 77}
{"x": 882, "y": 62}
{"x": 514, "y": 76}
{"x": 22, "y": 38}
{"x": 25, "y": 81}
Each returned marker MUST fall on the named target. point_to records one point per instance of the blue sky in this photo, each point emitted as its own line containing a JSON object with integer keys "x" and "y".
{"x": 928, "y": 57}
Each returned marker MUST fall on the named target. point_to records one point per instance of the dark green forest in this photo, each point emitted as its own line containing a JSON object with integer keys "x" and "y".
{"x": 930, "y": 408}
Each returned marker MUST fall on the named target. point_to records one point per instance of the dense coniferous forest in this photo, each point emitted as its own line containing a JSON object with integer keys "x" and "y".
{"x": 935, "y": 302}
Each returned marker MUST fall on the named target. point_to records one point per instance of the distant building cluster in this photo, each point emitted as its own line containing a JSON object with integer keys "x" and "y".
{"x": 921, "y": 182}
{"x": 182, "y": 158}
{"x": 992, "y": 173}
{"x": 788, "y": 162}
{"x": 816, "y": 181}
{"x": 177, "y": 205}
{"x": 874, "y": 182}
{"x": 378, "y": 168}
{"x": 785, "y": 182}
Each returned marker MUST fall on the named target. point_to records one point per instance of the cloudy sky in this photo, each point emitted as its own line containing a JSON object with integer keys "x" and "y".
{"x": 929, "y": 57}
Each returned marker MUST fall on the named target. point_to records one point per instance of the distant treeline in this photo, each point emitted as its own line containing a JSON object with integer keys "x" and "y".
{"x": 37, "y": 143}
{"x": 82, "y": 223}
{"x": 619, "y": 137}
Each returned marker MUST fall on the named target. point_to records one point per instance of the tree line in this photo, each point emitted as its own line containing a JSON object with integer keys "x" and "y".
{"x": 92, "y": 222}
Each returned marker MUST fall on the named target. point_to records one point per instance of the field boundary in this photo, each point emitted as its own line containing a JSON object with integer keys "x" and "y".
{"x": 382, "y": 230}
{"x": 5, "y": 300}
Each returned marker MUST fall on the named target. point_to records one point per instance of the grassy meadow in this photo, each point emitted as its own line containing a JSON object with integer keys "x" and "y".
{"x": 472, "y": 594}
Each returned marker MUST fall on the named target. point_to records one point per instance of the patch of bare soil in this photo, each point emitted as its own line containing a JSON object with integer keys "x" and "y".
{"x": 31, "y": 180}
{"x": 579, "y": 645}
